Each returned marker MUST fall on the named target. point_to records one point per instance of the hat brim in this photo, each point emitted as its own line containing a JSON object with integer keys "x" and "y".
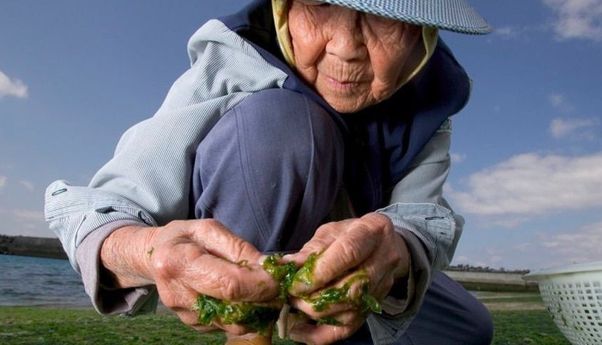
{"x": 452, "y": 15}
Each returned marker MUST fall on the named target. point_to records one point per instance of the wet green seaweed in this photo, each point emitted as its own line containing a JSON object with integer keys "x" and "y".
{"x": 365, "y": 302}
{"x": 260, "y": 318}
{"x": 253, "y": 316}
{"x": 305, "y": 273}
{"x": 282, "y": 273}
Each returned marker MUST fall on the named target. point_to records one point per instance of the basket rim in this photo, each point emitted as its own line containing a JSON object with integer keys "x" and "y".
{"x": 566, "y": 269}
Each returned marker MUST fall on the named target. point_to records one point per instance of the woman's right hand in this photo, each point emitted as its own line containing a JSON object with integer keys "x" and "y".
{"x": 188, "y": 258}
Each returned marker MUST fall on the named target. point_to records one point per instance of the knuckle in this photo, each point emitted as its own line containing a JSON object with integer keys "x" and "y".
{"x": 199, "y": 226}
{"x": 395, "y": 258}
{"x": 339, "y": 333}
{"x": 169, "y": 302}
{"x": 162, "y": 267}
{"x": 351, "y": 251}
{"x": 231, "y": 288}
{"x": 187, "y": 318}
{"x": 325, "y": 228}
{"x": 210, "y": 222}
{"x": 378, "y": 220}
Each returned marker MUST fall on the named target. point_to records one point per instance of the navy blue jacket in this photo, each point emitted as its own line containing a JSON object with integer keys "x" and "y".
{"x": 383, "y": 139}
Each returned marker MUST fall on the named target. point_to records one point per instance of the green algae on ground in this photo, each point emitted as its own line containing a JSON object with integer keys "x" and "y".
{"x": 64, "y": 326}
{"x": 256, "y": 317}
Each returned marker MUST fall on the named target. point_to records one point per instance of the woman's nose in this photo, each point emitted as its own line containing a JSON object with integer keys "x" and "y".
{"x": 346, "y": 38}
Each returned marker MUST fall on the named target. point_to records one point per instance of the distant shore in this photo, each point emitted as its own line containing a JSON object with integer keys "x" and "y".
{"x": 32, "y": 246}
{"x": 489, "y": 280}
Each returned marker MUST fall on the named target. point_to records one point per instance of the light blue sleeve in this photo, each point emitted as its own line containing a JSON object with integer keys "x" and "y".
{"x": 417, "y": 202}
{"x": 147, "y": 182}
{"x": 431, "y": 229}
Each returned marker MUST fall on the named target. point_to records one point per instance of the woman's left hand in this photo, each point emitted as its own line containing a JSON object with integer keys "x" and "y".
{"x": 368, "y": 246}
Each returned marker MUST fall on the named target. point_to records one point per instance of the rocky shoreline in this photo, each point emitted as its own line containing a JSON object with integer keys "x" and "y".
{"x": 32, "y": 246}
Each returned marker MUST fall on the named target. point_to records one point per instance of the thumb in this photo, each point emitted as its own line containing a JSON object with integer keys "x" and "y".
{"x": 221, "y": 242}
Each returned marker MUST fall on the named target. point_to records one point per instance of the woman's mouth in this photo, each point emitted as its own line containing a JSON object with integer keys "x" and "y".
{"x": 341, "y": 85}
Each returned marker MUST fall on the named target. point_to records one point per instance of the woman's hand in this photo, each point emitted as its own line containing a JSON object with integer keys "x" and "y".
{"x": 368, "y": 246}
{"x": 188, "y": 258}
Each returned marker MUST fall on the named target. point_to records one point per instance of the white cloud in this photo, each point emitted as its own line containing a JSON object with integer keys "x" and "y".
{"x": 27, "y": 215}
{"x": 22, "y": 215}
{"x": 574, "y": 127}
{"x": 556, "y": 99}
{"x": 580, "y": 19}
{"x": 2, "y": 181}
{"x": 506, "y": 32}
{"x": 576, "y": 245}
{"x": 12, "y": 87}
{"x": 531, "y": 184}
{"x": 23, "y": 222}
{"x": 27, "y": 185}
{"x": 559, "y": 102}
{"x": 457, "y": 157}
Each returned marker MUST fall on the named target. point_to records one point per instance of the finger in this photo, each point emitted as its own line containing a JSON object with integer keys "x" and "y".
{"x": 176, "y": 295}
{"x": 324, "y": 236}
{"x": 249, "y": 339}
{"x": 307, "y": 308}
{"x": 345, "y": 295}
{"x": 323, "y": 334}
{"x": 190, "y": 318}
{"x": 346, "y": 318}
{"x": 288, "y": 321}
{"x": 381, "y": 288}
{"x": 234, "y": 329}
{"x": 221, "y": 279}
{"x": 321, "y": 240}
{"x": 349, "y": 250}
{"x": 221, "y": 242}
{"x": 387, "y": 264}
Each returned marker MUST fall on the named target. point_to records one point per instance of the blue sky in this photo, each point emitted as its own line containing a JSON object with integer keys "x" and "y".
{"x": 527, "y": 150}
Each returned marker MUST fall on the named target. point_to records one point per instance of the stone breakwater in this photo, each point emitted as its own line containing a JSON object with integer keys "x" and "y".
{"x": 32, "y": 246}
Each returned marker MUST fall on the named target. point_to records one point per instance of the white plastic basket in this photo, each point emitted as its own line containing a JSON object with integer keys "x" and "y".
{"x": 573, "y": 296}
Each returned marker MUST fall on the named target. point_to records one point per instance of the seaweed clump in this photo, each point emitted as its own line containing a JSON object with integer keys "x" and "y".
{"x": 254, "y": 316}
{"x": 284, "y": 274}
{"x": 365, "y": 302}
{"x": 260, "y": 318}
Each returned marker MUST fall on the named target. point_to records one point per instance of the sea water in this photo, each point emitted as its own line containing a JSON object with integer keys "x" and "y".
{"x": 29, "y": 281}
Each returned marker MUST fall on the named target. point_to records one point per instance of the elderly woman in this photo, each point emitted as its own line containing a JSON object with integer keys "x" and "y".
{"x": 302, "y": 126}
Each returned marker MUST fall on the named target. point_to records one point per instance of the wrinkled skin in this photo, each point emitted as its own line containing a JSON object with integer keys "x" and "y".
{"x": 187, "y": 258}
{"x": 352, "y": 59}
{"x": 370, "y": 244}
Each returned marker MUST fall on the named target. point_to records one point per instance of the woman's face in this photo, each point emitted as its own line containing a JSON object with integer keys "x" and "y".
{"x": 352, "y": 59}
